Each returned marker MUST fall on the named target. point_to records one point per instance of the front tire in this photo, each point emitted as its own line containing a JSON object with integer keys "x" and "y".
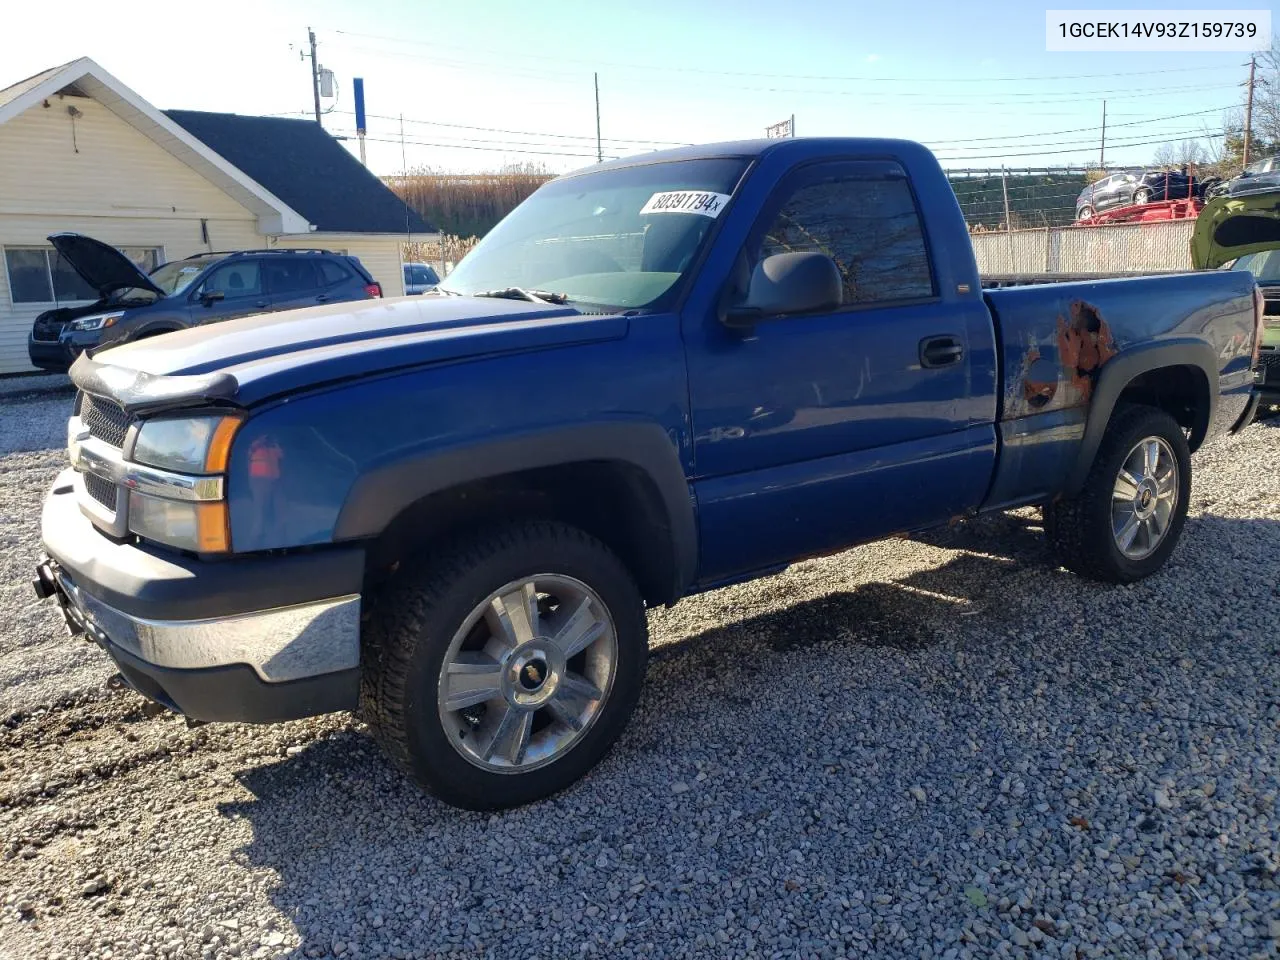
{"x": 1142, "y": 195}
{"x": 501, "y": 671}
{"x": 1126, "y": 521}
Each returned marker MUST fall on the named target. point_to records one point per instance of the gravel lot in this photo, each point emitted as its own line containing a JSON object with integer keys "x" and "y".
{"x": 940, "y": 747}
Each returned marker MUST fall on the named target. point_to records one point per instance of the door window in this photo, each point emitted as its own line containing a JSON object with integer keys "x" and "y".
{"x": 241, "y": 278}
{"x": 291, "y": 276}
{"x": 864, "y": 217}
{"x": 333, "y": 273}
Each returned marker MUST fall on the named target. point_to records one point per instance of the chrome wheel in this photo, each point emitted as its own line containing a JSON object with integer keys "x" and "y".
{"x": 527, "y": 673}
{"x": 1144, "y": 498}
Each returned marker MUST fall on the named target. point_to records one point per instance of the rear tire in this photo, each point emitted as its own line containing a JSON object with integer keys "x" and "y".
{"x": 1084, "y": 213}
{"x": 1125, "y": 522}
{"x": 503, "y": 669}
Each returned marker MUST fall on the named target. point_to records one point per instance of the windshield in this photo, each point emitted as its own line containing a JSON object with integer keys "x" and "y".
{"x": 618, "y": 239}
{"x": 415, "y": 273}
{"x": 177, "y": 276}
{"x": 1265, "y": 266}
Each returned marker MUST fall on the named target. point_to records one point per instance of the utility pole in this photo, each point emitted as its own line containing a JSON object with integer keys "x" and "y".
{"x": 315, "y": 73}
{"x": 1102, "y": 152}
{"x": 1248, "y": 113}
{"x": 599, "y": 153}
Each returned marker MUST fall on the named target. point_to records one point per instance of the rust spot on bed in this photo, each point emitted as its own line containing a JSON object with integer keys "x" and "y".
{"x": 1036, "y": 385}
{"x": 1035, "y": 392}
{"x": 1085, "y": 343}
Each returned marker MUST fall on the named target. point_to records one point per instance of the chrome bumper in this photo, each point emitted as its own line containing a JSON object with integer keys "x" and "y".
{"x": 256, "y": 639}
{"x": 279, "y": 644}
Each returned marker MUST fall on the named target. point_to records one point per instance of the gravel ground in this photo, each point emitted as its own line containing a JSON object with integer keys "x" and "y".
{"x": 940, "y": 747}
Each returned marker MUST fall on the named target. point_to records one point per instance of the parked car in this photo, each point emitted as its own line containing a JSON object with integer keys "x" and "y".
{"x": 656, "y": 376}
{"x": 1127, "y": 189}
{"x": 1261, "y": 176}
{"x": 419, "y": 278}
{"x": 204, "y": 288}
{"x": 1243, "y": 233}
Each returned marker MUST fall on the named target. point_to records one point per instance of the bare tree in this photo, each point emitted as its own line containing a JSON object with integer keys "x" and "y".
{"x": 1179, "y": 154}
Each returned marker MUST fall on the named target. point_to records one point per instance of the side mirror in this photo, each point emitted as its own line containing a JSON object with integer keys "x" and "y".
{"x": 788, "y": 283}
{"x": 210, "y": 297}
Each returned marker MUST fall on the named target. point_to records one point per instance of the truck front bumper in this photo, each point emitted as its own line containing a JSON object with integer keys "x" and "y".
{"x": 257, "y": 639}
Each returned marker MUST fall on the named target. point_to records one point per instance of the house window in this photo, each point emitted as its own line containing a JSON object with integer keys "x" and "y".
{"x": 41, "y": 275}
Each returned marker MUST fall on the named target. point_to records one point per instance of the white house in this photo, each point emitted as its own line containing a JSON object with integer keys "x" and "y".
{"x": 81, "y": 152}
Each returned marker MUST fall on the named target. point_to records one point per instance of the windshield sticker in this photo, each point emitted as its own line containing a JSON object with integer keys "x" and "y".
{"x": 686, "y": 201}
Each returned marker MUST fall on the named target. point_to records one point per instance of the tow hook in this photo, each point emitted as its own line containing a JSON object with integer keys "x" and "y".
{"x": 44, "y": 584}
{"x": 117, "y": 682}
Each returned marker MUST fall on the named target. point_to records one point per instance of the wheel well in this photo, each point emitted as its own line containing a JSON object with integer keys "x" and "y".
{"x": 1181, "y": 391}
{"x": 155, "y": 332}
{"x": 613, "y": 501}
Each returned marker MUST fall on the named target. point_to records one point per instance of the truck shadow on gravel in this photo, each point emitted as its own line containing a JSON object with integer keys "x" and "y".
{"x": 359, "y": 855}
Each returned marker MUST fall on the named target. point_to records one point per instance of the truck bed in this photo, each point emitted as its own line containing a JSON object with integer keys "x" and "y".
{"x": 1056, "y": 334}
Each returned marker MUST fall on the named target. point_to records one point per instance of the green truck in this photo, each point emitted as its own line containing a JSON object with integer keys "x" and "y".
{"x": 1243, "y": 233}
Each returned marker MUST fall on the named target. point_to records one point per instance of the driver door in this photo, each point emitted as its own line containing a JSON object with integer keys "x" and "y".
{"x": 231, "y": 289}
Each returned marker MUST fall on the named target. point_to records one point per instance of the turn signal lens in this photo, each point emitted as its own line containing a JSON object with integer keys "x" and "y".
{"x": 213, "y": 533}
{"x": 219, "y": 454}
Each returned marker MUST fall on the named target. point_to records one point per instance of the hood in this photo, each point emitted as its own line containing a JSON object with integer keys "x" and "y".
{"x": 275, "y": 353}
{"x": 1230, "y": 227}
{"x": 102, "y": 267}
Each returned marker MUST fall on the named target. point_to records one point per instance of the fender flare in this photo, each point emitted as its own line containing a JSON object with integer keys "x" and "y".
{"x": 380, "y": 495}
{"x": 1122, "y": 371}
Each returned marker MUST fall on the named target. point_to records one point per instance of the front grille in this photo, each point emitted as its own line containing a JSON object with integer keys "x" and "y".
{"x": 104, "y": 420}
{"x": 104, "y": 491}
{"x": 46, "y": 331}
{"x": 1269, "y": 358}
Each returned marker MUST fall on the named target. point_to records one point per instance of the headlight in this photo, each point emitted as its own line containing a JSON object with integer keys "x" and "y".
{"x": 197, "y": 526}
{"x": 96, "y": 322}
{"x": 177, "y": 507}
{"x": 187, "y": 444}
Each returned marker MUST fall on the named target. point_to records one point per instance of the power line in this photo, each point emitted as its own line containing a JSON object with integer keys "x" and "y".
{"x": 1167, "y": 135}
{"x": 784, "y": 76}
{"x": 466, "y": 146}
{"x": 1038, "y": 153}
{"x": 1054, "y": 133}
{"x": 993, "y": 142}
{"x": 1124, "y": 93}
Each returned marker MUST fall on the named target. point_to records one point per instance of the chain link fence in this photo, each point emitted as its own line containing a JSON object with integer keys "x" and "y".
{"x": 1100, "y": 249}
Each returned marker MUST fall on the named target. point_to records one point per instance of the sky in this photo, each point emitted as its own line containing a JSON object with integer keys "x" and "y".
{"x": 489, "y": 83}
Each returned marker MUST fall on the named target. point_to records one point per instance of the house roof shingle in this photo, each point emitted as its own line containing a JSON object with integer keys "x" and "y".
{"x": 14, "y": 91}
{"x": 306, "y": 168}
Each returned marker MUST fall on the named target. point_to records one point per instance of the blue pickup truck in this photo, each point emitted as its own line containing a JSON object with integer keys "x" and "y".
{"x": 656, "y": 376}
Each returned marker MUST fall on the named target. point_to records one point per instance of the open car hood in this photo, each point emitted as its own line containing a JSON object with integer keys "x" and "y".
{"x": 102, "y": 267}
{"x": 1230, "y": 227}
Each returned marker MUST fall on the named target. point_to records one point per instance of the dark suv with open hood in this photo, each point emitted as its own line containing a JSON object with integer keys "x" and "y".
{"x": 201, "y": 289}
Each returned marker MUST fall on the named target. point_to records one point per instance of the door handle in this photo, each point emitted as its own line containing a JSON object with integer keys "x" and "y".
{"x": 323, "y": 298}
{"x": 261, "y": 303}
{"x": 943, "y": 351}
